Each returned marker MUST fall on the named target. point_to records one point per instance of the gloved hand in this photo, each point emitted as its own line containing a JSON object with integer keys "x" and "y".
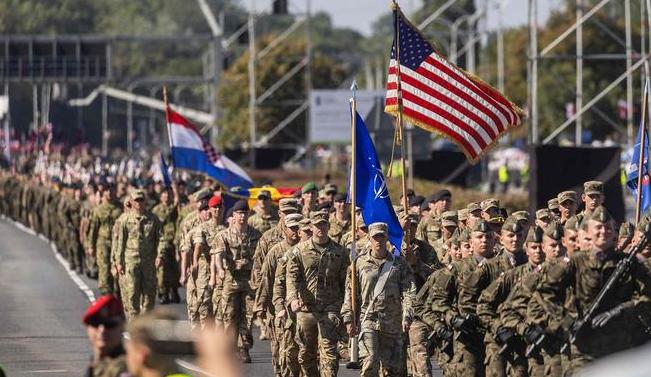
{"x": 444, "y": 333}
{"x": 504, "y": 334}
{"x": 601, "y": 319}
{"x": 533, "y": 333}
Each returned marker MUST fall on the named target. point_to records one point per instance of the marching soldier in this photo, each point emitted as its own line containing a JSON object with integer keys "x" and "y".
{"x": 99, "y": 237}
{"x": 233, "y": 251}
{"x": 385, "y": 292}
{"x": 167, "y": 276}
{"x": 429, "y": 230}
{"x": 139, "y": 253}
{"x": 340, "y": 219}
{"x": 316, "y": 279}
{"x": 264, "y": 216}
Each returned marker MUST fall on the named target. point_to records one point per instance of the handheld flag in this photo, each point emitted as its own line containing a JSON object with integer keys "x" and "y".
{"x": 436, "y": 95}
{"x": 637, "y": 164}
{"x": 167, "y": 180}
{"x": 190, "y": 150}
{"x": 371, "y": 191}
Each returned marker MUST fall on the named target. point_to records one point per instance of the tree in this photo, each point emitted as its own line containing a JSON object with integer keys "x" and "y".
{"x": 234, "y": 95}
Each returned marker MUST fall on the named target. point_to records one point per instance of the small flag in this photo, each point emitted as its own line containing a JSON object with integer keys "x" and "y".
{"x": 641, "y": 143}
{"x": 440, "y": 97}
{"x": 372, "y": 193}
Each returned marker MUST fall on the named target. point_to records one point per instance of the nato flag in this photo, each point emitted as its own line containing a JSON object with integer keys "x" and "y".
{"x": 372, "y": 193}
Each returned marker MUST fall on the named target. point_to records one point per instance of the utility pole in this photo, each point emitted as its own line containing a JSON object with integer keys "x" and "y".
{"x": 533, "y": 71}
{"x": 252, "y": 98}
{"x": 500, "y": 46}
{"x": 579, "y": 72}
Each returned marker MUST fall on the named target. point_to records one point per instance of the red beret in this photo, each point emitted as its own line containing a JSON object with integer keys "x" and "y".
{"x": 105, "y": 307}
{"x": 215, "y": 201}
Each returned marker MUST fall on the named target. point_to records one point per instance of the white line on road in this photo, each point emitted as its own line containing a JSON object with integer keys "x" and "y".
{"x": 48, "y": 371}
{"x": 73, "y": 274}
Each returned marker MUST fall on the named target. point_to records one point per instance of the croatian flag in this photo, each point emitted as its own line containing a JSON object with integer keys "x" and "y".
{"x": 191, "y": 151}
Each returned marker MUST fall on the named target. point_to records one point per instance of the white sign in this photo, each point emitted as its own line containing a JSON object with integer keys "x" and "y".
{"x": 4, "y": 106}
{"x": 330, "y": 113}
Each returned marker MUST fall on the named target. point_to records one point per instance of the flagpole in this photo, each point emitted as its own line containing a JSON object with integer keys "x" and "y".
{"x": 400, "y": 125}
{"x": 640, "y": 163}
{"x": 177, "y": 199}
{"x": 354, "y": 348}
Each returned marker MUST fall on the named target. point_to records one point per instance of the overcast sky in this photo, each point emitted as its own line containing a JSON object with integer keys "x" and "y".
{"x": 360, "y": 14}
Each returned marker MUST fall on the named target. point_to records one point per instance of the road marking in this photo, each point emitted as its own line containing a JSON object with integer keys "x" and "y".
{"x": 72, "y": 273}
{"x": 48, "y": 371}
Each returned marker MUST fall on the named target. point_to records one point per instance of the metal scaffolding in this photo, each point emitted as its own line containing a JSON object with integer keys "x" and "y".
{"x": 585, "y": 13}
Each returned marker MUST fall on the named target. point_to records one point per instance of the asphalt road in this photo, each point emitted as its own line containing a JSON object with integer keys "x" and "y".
{"x": 41, "y": 307}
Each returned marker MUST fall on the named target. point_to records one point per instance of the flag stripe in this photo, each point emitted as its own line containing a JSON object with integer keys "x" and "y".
{"x": 440, "y": 93}
{"x": 449, "y": 119}
{"x": 434, "y": 122}
{"x": 447, "y": 67}
{"x": 462, "y": 94}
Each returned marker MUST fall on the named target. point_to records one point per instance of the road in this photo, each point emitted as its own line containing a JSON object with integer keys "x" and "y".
{"x": 41, "y": 333}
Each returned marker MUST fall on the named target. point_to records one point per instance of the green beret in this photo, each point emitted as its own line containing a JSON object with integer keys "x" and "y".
{"x": 310, "y": 186}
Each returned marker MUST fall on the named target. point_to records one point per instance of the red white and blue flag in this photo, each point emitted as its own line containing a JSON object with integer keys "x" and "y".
{"x": 191, "y": 151}
{"x": 440, "y": 97}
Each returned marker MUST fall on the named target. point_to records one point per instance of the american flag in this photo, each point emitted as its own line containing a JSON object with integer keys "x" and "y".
{"x": 440, "y": 97}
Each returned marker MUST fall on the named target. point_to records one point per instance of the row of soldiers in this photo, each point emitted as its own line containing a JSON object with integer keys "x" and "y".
{"x": 478, "y": 291}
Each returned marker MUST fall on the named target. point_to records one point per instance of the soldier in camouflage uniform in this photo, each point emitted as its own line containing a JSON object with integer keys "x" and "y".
{"x": 234, "y": 249}
{"x": 288, "y": 348}
{"x": 429, "y": 230}
{"x": 196, "y": 244}
{"x": 269, "y": 239}
{"x": 567, "y": 203}
{"x": 587, "y": 271}
{"x": 99, "y": 237}
{"x": 316, "y": 278}
{"x": 167, "y": 275}
{"x": 309, "y": 193}
{"x": 189, "y": 222}
{"x": 385, "y": 310}
{"x": 138, "y": 254}
{"x": 90, "y": 264}
{"x": 265, "y": 216}
{"x": 264, "y": 295}
{"x": 340, "y": 219}
{"x": 72, "y": 215}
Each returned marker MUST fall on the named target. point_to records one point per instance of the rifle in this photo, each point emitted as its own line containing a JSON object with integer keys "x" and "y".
{"x": 622, "y": 268}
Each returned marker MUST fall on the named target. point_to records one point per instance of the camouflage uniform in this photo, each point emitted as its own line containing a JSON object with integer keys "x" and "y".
{"x": 316, "y": 277}
{"x": 73, "y": 219}
{"x": 288, "y": 348}
{"x": 236, "y": 251}
{"x": 338, "y": 228}
{"x": 382, "y": 316}
{"x": 167, "y": 275}
{"x": 263, "y": 222}
{"x": 99, "y": 239}
{"x": 138, "y": 247}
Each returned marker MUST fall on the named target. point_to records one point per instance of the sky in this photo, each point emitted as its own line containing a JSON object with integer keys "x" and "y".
{"x": 360, "y": 14}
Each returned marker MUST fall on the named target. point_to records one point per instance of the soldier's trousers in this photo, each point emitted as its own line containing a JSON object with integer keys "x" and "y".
{"x": 288, "y": 350}
{"x": 167, "y": 275}
{"x": 138, "y": 287}
{"x": 381, "y": 353}
{"x": 503, "y": 365}
{"x": 317, "y": 335}
{"x": 419, "y": 364}
{"x": 76, "y": 252}
{"x": 536, "y": 365}
{"x": 216, "y": 301}
{"x": 469, "y": 356}
{"x": 203, "y": 291}
{"x": 236, "y": 314}
{"x": 105, "y": 281}
{"x": 191, "y": 301}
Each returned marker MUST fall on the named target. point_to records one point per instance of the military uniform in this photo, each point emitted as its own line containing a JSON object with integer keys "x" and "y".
{"x": 236, "y": 251}
{"x": 382, "y": 313}
{"x": 197, "y": 241}
{"x": 263, "y": 222}
{"x": 288, "y": 348}
{"x": 99, "y": 239}
{"x": 316, "y": 277}
{"x": 138, "y": 236}
{"x": 167, "y": 275}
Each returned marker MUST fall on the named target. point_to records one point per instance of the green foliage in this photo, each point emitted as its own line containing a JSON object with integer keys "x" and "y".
{"x": 234, "y": 95}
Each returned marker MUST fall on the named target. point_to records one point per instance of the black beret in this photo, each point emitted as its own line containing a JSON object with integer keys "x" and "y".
{"x": 340, "y": 197}
{"x": 417, "y": 200}
{"x": 439, "y": 195}
{"x": 240, "y": 205}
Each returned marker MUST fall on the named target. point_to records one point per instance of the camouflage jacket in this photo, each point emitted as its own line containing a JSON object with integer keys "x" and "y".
{"x": 316, "y": 276}
{"x": 392, "y": 307}
{"x": 263, "y": 223}
{"x": 101, "y": 223}
{"x": 338, "y": 228}
{"x": 268, "y": 240}
{"x": 167, "y": 215}
{"x": 236, "y": 251}
{"x": 137, "y": 239}
{"x": 264, "y": 293}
